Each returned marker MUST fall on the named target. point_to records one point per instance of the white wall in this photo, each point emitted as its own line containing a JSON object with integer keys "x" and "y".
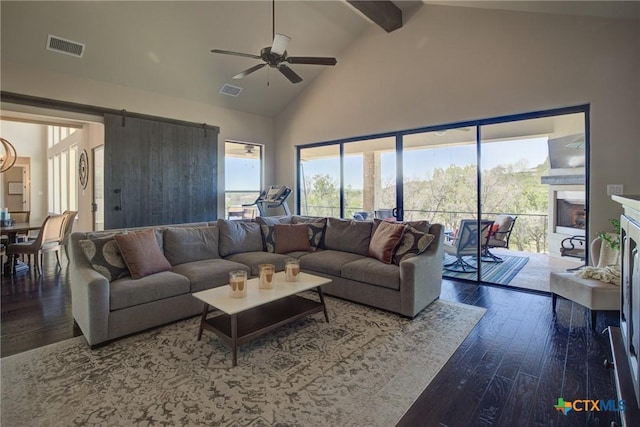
{"x": 233, "y": 125}
{"x": 449, "y": 64}
{"x": 30, "y": 141}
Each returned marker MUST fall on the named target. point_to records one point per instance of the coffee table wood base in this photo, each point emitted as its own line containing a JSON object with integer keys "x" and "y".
{"x": 240, "y": 328}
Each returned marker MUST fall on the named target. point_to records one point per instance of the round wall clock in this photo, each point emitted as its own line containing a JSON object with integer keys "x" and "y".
{"x": 83, "y": 169}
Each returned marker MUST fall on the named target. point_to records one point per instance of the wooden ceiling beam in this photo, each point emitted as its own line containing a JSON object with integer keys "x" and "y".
{"x": 383, "y": 12}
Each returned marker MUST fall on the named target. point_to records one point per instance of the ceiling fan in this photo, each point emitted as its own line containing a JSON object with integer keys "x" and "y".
{"x": 276, "y": 56}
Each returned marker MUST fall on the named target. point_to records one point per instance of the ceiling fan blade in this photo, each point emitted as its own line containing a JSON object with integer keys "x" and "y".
{"x": 289, "y": 73}
{"x": 311, "y": 60}
{"x": 248, "y": 71}
{"x": 280, "y": 43}
{"x": 228, "y": 52}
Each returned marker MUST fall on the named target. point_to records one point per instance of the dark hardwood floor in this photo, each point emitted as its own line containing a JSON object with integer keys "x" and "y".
{"x": 510, "y": 370}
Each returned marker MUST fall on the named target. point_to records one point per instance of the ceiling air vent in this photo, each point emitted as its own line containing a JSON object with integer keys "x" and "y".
{"x": 58, "y": 44}
{"x": 230, "y": 90}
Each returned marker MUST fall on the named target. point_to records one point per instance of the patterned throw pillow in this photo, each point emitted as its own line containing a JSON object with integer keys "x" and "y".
{"x": 316, "y": 233}
{"x": 414, "y": 242}
{"x": 316, "y": 230}
{"x": 268, "y": 238}
{"x": 104, "y": 255}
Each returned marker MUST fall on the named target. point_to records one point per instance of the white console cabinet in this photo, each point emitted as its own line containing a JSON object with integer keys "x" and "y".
{"x": 625, "y": 341}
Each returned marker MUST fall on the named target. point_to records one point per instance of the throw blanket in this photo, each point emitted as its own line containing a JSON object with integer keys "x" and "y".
{"x": 609, "y": 274}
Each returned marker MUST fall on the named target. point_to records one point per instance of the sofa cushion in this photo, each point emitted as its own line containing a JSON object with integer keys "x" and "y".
{"x": 128, "y": 292}
{"x": 299, "y": 219}
{"x": 208, "y": 273}
{"x": 104, "y": 256}
{"x": 239, "y": 236}
{"x": 385, "y": 240}
{"x": 291, "y": 237}
{"x": 348, "y": 236}
{"x": 142, "y": 253}
{"x": 327, "y": 261}
{"x": 413, "y": 243}
{"x": 370, "y": 270}
{"x": 420, "y": 225}
{"x": 190, "y": 244}
{"x": 254, "y": 259}
{"x": 273, "y": 220}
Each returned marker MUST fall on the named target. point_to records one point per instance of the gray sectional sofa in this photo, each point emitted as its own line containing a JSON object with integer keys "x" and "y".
{"x": 108, "y": 302}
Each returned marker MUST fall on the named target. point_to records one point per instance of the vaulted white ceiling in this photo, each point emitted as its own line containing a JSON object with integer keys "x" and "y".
{"x": 164, "y": 46}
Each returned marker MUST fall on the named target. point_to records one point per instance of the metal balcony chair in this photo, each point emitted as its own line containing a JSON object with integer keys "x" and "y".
{"x": 498, "y": 237}
{"x": 465, "y": 244}
{"x": 574, "y": 247}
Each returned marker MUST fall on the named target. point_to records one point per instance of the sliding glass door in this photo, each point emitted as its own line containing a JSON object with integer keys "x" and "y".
{"x": 320, "y": 181}
{"x": 513, "y": 183}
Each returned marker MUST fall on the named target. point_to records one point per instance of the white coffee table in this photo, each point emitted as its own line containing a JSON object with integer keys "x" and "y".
{"x": 261, "y": 311}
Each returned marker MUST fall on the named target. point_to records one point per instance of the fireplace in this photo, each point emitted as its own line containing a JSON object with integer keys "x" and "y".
{"x": 570, "y": 212}
{"x": 567, "y": 190}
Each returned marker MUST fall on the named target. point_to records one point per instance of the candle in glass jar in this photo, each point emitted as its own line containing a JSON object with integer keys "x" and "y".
{"x": 238, "y": 284}
{"x": 266, "y": 276}
{"x": 292, "y": 270}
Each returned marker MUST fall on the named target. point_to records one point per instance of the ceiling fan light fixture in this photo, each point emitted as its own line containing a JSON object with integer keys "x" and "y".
{"x": 280, "y": 43}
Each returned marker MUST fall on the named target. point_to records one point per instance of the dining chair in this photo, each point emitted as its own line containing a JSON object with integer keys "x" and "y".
{"x": 48, "y": 240}
{"x": 70, "y": 217}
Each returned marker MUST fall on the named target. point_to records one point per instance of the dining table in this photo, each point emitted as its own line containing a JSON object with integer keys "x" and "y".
{"x": 12, "y": 231}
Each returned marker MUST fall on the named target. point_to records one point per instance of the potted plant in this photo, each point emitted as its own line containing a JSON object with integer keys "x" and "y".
{"x": 610, "y": 245}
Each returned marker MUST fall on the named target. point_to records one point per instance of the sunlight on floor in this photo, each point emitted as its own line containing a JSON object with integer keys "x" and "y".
{"x": 535, "y": 274}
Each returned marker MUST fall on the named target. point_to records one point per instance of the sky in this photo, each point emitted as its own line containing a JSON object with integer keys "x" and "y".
{"x": 242, "y": 174}
{"x": 421, "y": 163}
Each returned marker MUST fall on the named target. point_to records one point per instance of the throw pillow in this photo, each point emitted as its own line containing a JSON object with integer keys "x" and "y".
{"x": 291, "y": 238}
{"x": 385, "y": 240}
{"x": 316, "y": 233}
{"x": 104, "y": 256}
{"x": 142, "y": 253}
{"x": 268, "y": 240}
{"x": 414, "y": 242}
{"x": 315, "y": 229}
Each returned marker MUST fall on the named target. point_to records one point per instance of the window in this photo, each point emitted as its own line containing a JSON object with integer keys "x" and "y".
{"x": 62, "y": 169}
{"x": 243, "y": 179}
{"x": 468, "y": 170}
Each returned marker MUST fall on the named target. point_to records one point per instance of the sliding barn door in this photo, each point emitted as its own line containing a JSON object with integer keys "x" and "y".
{"x": 158, "y": 172}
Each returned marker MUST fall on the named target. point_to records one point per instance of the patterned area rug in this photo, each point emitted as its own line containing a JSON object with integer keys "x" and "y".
{"x": 500, "y": 273}
{"x": 364, "y": 368}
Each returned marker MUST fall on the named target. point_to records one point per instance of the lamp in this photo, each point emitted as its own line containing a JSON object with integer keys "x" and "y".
{"x": 280, "y": 43}
{"x": 8, "y": 155}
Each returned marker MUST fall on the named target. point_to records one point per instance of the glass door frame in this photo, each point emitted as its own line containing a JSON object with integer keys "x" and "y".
{"x": 475, "y": 124}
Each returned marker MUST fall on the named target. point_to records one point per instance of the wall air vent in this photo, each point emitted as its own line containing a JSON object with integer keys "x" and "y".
{"x": 230, "y": 90}
{"x": 68, "y": 47}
